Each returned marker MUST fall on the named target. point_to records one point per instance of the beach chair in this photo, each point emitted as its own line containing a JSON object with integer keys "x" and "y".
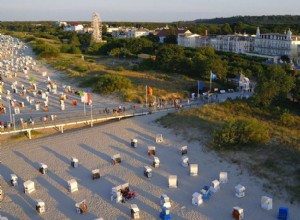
{"x": 184, "y": 161}
{"x": 173, "y": 182}
{"x": 215, "y": 186}
{"x": 81, "y": 207}
{"x": 283, "y": 214}
{"x": 17, "y": 110}
{"x": 116, "y": 159}
{"x": 40, "y": 206}
{"x": 159, "y": 138}
{"x": 74, "y": 162}
{"x": 151, "y": 150}
{"x": 156, "y": 162}
{"x": 205, "y": 192}
{"x": 223, "y": 177}
{"x": 29, "y": 186}
{"x": 1, "y": 194}
{"x": 240, "y": 191}
{"x": 3, "y": 218}
{"x": 183, "y": 150}
{"x": 43, "y": 168}
{"x": 95, "y": 174}
{"x": 197, "y": 199}
{"x": 72, "y": 185}
{"x": 134, "y": 143}
{"x": 238, "y": 213}
{"x": 147, "y": 172}
{"x": 135, "y": 211}
{"x": 165, "y": 213}
{"x": 165, "y": 201}
{"x": 193, "y": 169}
{"x": 266, "y": 203}
{"x": 116, "y": 194}
{"x": 13, "y": 179}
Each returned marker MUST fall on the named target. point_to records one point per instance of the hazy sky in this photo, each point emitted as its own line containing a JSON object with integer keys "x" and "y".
{"x": 140, "y": 10}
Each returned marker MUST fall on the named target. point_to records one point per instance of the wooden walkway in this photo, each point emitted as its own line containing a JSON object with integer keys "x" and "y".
{"x": 84, "y": 120}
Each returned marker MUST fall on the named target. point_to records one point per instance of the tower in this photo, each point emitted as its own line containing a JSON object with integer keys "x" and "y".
{"x": 289, "y": 34}
{"x": 97, "y": 28}
{"x": 257, "y": 32}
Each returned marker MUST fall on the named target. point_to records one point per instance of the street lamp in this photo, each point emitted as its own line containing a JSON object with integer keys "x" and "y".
{"x": 91, "y": 115}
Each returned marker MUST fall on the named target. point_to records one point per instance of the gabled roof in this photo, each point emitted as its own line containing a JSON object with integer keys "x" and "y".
{"x": 241, "y": 78}
{"x": 165, "y": 32}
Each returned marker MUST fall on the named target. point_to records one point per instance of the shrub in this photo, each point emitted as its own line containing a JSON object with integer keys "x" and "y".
{"x": 287, "y": 119}
{"x": 119, "y": 68}
{"x": 74, "y": 50}
{"x": 81, "y": 68}
{"x": 238, "y": 134}
{"x": 107, "y": 84}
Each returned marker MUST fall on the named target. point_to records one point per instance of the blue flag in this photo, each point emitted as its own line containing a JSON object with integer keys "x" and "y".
{"x": 213, "y": 76}
{"x": 200, "y": 85}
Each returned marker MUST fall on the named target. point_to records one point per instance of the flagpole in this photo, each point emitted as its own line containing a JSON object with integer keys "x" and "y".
{"x": 210, "y": 81}
{"x": 146, "y": 96}
{"x": 198, "y": 89}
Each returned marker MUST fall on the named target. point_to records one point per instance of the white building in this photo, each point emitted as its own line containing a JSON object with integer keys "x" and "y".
{"x": 272, "y": 44}
{"x": 129, "y": 32}
{"x": 61, "y": 24}
{"x": 187, "y": 40}
{"x": 74, "y": 27}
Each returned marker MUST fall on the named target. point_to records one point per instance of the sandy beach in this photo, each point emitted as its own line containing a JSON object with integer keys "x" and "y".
{"x": 94, "y": 148}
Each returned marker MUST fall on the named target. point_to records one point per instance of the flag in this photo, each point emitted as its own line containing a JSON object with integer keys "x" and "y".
{"x": 213, "y": 76}
{"x": 149, "y": 90}
{"x": 86, "y": 98}
{"x": 200, "y": 85}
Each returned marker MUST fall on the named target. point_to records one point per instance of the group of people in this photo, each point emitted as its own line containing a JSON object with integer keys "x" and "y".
{"x": 127, "y": 194}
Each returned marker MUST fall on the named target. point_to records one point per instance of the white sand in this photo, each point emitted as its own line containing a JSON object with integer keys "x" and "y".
{"x": 94, "y": 147}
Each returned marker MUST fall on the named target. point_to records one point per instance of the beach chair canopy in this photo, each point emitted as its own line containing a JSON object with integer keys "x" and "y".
{"x": 223, "y": 177}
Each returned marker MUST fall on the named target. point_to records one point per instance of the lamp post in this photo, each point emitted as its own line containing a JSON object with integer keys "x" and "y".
{"x": 91, "y": 115}
{"x": 84, "y": 108}
{"x": 14, "y": 121}
{"x": 10, "y": 111}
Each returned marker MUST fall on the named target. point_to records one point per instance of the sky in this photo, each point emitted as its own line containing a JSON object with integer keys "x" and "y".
{"x": 140, "y": 10}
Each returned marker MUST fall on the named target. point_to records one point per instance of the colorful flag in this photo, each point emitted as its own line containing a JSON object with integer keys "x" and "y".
{"x": 213, "y": 76}
{"x": 86, "y": 98}
{"x": 200, "y": 85}
{"x": 149, "y": 90}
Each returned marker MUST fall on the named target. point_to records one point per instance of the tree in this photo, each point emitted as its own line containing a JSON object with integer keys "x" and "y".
{"x": 170, "y": 39}
{"x": 273, "y": 86}
{"x": 169, "y": 57}
{"x": 296, "y": 90}
{"x": 226, "y": 29}
{"x": 74, "y": 40}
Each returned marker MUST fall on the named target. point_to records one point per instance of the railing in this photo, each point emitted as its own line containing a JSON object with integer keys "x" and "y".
{"x": 89, "y": 118}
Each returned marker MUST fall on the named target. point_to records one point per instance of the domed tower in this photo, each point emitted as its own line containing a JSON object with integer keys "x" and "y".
{"x": 97, "y": 28}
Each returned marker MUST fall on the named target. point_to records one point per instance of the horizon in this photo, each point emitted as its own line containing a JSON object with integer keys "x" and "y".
{"x": 129, "y": 21}
{"x": 138, "y": 11}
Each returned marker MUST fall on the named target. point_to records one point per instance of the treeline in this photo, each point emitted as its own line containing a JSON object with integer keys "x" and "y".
{"x": 264, "y": 19}
{"x": 172, "y": 58}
